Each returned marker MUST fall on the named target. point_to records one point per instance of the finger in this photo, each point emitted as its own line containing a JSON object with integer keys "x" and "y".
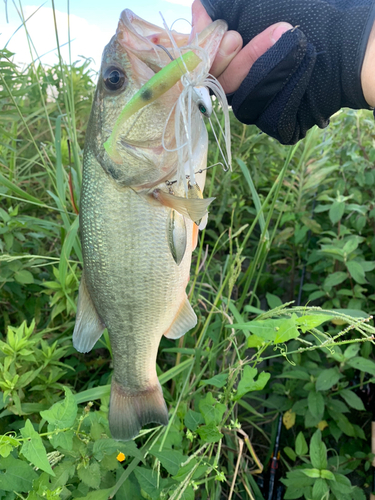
{"x": 230, "y": 45}
{"x": 200, "y": 18}
{"x": 233, "y": 75}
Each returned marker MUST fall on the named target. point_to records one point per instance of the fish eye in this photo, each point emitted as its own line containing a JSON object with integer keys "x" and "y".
{"x": 114, "y": 78}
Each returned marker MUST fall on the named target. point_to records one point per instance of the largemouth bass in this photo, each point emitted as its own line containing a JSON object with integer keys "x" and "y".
{"x": 137, "y": 222}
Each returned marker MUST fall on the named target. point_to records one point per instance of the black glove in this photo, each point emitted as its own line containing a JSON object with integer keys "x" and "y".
{"x": 310, "y": 73}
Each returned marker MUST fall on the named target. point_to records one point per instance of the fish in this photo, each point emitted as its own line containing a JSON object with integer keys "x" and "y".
{"x": 138, "y": 221}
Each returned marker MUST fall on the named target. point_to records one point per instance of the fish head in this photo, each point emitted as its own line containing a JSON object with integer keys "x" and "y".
{"x": 146, "y": 142}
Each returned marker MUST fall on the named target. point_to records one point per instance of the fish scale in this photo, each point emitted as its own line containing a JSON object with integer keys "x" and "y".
{"x": 127, "y": 243}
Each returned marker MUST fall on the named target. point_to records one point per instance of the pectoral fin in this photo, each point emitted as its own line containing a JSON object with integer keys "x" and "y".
{"x": 185, "y": 320}
{"x": 89, "y": 326}
{"x": 177, "y": 236}
{"x": 194, "y": 209}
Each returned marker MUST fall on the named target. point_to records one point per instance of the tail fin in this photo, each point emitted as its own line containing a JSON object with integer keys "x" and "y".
{"x": 128, "y": 412}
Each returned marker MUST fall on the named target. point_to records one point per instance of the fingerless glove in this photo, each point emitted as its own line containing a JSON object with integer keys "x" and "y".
{"x": 310, "y": 73}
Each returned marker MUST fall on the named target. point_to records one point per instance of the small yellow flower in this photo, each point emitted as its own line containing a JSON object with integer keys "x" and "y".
{"x": 120, "y": 457}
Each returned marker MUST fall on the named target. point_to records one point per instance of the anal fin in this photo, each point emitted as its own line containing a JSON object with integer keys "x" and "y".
{"x": 185, "y": 320}
{"x": 89, "y": 327}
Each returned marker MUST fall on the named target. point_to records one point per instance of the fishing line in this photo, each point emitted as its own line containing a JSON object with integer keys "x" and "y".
{"x": 218, "y": 144}
{"x": 181, "y": 19}
{"x": 200, "y": 171}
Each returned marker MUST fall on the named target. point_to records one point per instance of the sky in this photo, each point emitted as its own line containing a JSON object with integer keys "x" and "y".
{"x": 92, "y": 24}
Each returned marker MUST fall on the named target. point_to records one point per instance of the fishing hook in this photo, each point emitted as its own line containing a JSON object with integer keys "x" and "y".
{"x": 166, "y": 51}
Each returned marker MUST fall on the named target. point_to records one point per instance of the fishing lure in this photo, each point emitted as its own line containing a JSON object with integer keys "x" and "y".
{"x": 158, "y": 85}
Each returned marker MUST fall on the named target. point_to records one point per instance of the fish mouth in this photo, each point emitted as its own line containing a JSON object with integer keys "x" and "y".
{"x": 147, "y": 41}
{"x": 152, "y": 44}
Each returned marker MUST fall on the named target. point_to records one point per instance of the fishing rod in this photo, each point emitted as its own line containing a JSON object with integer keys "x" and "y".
{"x": 275, "y": 460}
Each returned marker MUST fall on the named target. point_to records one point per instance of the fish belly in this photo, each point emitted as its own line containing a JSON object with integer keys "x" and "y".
{"x": 135, "y": 285}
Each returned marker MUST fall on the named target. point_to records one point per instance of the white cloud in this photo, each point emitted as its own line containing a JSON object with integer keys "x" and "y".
{"x": 87, "y": 39}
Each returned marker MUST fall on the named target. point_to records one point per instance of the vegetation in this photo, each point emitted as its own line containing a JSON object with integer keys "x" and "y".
{"x": 279, "y": 369}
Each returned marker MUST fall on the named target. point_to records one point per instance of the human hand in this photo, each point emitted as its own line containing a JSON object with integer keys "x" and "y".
{"x": 309, "y": 74}
{"x": 232, "y": 64}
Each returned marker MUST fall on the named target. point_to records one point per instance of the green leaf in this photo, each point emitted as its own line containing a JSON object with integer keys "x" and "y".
{"x": 313, "y": 473}
{"x": 62, "y": 414}
{"x": 327, "y": 379}
{"x": 276, "y": 330}
{"x": 217, "y": 381}
{"x": 186, "y": 470}
{"x": 24, "y": 277}
{"x": 297, "y": 374}
{"x": 33, "y": 448}
{"x": 351, "y": 245}
{"x": 254, "y": 341}
{"x": 209, "y": 433}
{"x": 362, "y": 364}
{"x": 248, "y": 384}
{"x": 358, "y": 493}
{"x": 90, "y": 475}
{"x": 97, "y": 495}
{"x": 171, "y": 460}
{"x": 297, "y": 479}
{"x": 335, "y": 279}
{"x": 316, "y": 404}
{"x": 336, "y": 211}
{"x": 356, "y": 272}
{"x": 262, "y": 329}
{"x": 148, "y": 481}
{"x": 62, "y": 440}
{"x": 193, "y": 420}
{"x": 211, "y": 410}
{"x": 287, "y": 330}
{"x": 188, "y": 494}
{"x": 273, "y": 301}
{"x": 351, "y": 351}
{"x": 327, "y": 474}
{"x": 320, "y": 489}
{"x": 309, "y": 321}
{"x": 342, "y": 486}
{"x": 7, "y": 443}
{"x": 301, "y": 445}
{"x": 342, "y": 423}
{"x": 318, "y": 451}
{"x": 337, "y": 405}
{"x": 63, "y": 472}
{"x": 105, "y": 446}
{"x": 290, "y": 453}
{"x": 18, "y": 475}
{"x": 352, "y": 399}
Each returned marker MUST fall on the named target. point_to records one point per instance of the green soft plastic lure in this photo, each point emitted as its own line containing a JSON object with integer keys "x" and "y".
{"x": 160, "y": 83}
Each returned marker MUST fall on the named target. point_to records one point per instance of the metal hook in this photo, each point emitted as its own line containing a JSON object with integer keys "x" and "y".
{"x": 166, "y": 51}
